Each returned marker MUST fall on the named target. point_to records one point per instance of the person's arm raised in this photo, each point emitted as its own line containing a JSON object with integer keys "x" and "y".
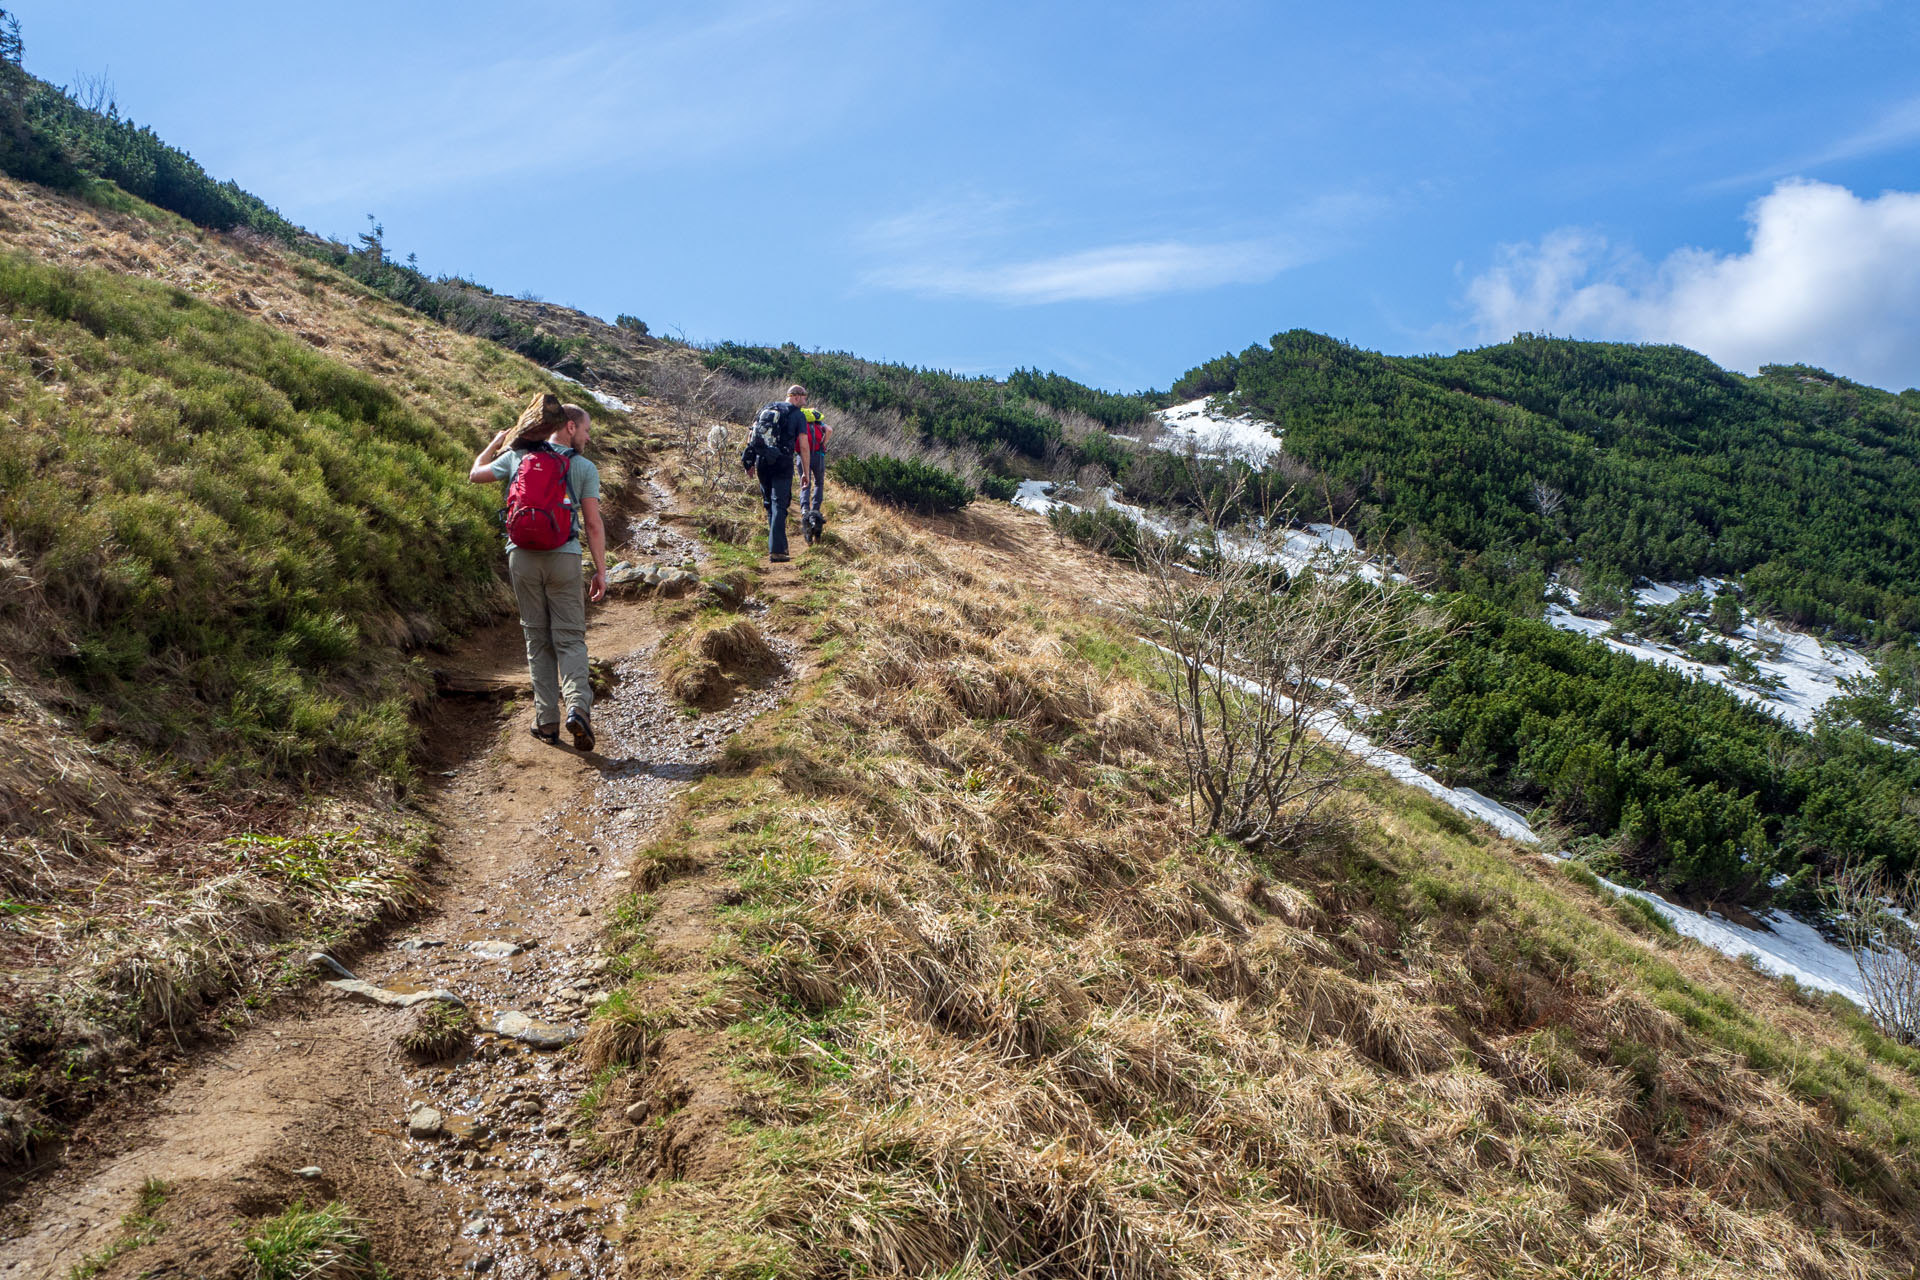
{"x": 482, "y": 472}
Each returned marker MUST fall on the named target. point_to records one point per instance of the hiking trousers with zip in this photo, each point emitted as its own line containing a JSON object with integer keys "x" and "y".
{"x": 553, "y": 613}
{"x": 776, "y": 495}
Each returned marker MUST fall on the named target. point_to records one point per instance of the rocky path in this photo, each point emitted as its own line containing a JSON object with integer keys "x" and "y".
{"x": 471, "y": 1166}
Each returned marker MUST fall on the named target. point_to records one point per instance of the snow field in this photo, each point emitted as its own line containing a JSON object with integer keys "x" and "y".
{"x": 1809, "y": 672}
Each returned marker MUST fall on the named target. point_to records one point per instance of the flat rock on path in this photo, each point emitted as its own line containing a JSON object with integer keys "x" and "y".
{"x": 541, "y": 1035}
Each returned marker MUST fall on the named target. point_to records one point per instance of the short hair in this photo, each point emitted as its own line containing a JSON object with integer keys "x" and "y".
{"x": 580, "y": 417}
{"x": 795, "y": 390}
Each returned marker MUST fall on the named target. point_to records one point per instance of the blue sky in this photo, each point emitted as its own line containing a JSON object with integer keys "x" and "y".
{"x": 1114, "y": 191}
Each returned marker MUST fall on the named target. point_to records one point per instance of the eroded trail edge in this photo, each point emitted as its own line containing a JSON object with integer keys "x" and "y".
{"x": 480, "y": 1162}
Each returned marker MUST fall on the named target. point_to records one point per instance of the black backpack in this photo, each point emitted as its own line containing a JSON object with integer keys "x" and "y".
{"x": 764, "y": 442}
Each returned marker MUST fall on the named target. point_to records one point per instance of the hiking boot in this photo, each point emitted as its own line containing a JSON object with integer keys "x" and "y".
{"x": 547, "y": 733}
{"x": 582, "y": 731}
{"x": 778, "y": 557}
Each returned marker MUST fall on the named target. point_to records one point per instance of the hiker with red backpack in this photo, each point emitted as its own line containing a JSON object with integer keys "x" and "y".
{"x": 813, "y": 476}
{"x": 553, "y": 496}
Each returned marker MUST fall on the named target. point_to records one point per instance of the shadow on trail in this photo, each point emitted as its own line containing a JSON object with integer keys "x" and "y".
{"x": 617, "y": 770}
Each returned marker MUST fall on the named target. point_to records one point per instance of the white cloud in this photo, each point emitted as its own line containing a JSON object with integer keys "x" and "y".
{"x": 972, "y": 245}
{"x": 1111, "y": 273}
{"x": 1828, "y": 279}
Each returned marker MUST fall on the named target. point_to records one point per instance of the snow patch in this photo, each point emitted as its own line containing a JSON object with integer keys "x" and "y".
{"x": 1033, "y": 495}
{"x": 614, "y": 403}
{"x": 1809, "y": 672}
{"x": 1212, "y": 434}
{"x": 1788, "y": 947}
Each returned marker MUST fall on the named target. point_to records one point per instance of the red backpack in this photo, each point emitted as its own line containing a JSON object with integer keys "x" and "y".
{"x": 539, "y": 510}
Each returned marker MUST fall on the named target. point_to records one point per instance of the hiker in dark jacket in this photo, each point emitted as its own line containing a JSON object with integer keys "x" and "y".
{"x": 779, "y": 433}
{"x": 546, "y": 576}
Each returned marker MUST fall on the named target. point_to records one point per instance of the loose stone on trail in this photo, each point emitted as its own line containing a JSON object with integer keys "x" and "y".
{"x": 541, "y": 1035}
{"x": 425, "y": 1122}
{"x": 349, "y": 985}
{"x": 495, "y": 948}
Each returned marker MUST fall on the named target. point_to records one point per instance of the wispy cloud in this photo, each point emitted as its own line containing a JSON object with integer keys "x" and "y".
{"x": 1897, "y": 126}
{"x": 665, "y": 90}
{"x": 1120, "y": 272}
{"x": 1828, "y": 279}
{"x": 970, "y": 246}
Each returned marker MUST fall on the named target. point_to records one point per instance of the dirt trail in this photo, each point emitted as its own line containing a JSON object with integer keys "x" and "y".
{"x": 536, "y": 842}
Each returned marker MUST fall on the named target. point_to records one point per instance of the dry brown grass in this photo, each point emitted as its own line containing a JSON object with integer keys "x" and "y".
{"x": 992, "y": 1011}
{"x": 121, "y": 910}
{"x": 709, "y": 662}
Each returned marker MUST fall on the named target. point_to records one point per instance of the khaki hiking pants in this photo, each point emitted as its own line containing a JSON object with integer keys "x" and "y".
{"x": 553, "y": 613}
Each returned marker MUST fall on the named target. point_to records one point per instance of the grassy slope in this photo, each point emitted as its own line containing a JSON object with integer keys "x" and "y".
{"x": 977, "y": 1003}
{"x": 232, "y": 500}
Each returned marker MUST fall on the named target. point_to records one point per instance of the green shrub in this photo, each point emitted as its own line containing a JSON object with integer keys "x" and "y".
{"x": 1103, "y": 529}
{"x": 905, "y": 483}
{"x": 999, "y": 488}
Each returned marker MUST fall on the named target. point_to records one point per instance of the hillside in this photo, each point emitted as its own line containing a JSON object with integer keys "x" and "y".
{"x": 235, "y": 513}
{"x": 878, "y": 934}
{"x": 1606, "y": 462}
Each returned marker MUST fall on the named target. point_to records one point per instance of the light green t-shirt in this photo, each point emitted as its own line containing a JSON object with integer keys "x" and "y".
{"x": 583, "y": 482}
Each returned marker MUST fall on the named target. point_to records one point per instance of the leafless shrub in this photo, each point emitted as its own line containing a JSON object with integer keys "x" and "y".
{"x": 1546, "y": 498}
{"x": 701, "y": 404}
{"x": 1265, "y": 672}
{"x": 92, "y": 92}
{"x": 737, "y": 401}
{"x": 860, "y": 434}
{"x": 1877, "y": 921}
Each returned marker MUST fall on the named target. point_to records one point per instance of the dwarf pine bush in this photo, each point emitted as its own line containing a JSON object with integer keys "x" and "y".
{"x": 904, "y": 482}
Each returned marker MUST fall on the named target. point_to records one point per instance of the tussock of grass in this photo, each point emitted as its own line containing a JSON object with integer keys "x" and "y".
{"x": 327, "y": 1243}
{"x": 990, "y": 1008}
{"x": 708, "y": 662}
{"x": 437, "y": 1031}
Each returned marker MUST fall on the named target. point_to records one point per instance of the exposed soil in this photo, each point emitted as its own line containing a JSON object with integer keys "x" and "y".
{"x": 536, "y": 852}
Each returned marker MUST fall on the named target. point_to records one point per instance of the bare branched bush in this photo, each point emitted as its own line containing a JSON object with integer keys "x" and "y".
{"x": 1546, "y": 499}
{"x": 1092, "y": 477}
{"x": 688, "y": 390}
{"x": 738, "y": 401}
{"x": 702, "y": 404}
{"x": 93, "y": 92}
{"x": 1268, "y": 672}
{"x": 1877, "y": 913}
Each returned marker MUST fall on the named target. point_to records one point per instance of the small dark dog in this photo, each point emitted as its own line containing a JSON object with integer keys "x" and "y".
{"x": 812, "y": 526}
